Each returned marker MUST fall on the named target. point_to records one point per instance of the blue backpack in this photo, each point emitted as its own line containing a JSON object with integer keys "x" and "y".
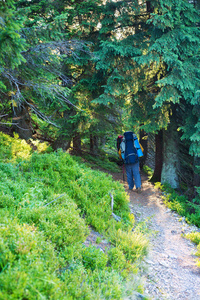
{"x": 131, "y": 156}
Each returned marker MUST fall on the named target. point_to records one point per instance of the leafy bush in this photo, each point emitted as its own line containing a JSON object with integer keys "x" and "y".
{"x": 94, "y": 258}
{"x": 13, "y": 148}
{"x": 61, "y": 224}
{"x": 116, "y": 259}
{"x": 194, "y": 237}
{"x": 41, "y": 146}
{"x": 131, "y": 244}
{"x": 28, "y": 263}
{"x": 183, "y": 207}
{"x": 6, "y": 201}
{"x": 148, "y": 171}
{"x": 180, "y": 204}
{"x": 102, "y": 162}
{"x": 47, "y": 202}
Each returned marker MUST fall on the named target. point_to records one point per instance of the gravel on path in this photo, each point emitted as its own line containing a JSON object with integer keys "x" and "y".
{"x": 170, "y": 270}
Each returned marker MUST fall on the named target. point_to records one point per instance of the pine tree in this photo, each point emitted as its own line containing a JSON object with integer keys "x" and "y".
{"x": 174, "y": 42}
{"x": 11, "y": 47}
{"x": 39, "y": 85}
{"x": 153, "y": 67}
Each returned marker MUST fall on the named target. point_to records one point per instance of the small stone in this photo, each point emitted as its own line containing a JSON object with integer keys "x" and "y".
{"x": 174, "y": 232}
{"x": 172, "y": 256}
{"x": 140, "y": 296}
{"x": 163, "y": 263}
{"x": 149, "y": 262}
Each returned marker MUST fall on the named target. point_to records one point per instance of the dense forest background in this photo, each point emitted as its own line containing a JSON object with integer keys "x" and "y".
{"x": 78, "y": 73}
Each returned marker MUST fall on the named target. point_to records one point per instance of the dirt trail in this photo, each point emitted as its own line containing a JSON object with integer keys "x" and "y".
{"x": 171, "y": 271}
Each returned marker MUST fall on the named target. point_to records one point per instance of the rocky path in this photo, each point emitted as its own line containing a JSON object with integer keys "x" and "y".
{"x": 170, "y": 269}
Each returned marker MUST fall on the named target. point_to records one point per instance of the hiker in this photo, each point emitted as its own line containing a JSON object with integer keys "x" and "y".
{"x": 130, "y": 152}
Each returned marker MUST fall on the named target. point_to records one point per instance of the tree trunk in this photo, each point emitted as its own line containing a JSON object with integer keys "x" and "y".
{"x": 61, "y": 142}
{"x": 93, "y": 144}
{"x": 171, "y": 164}
{"x": 77, "y": 143}
{"x": 144, "y": 144}
{"x": 149, "y": 7}
{"x": 22, "y": 122}
{"x": 158, "y": 157}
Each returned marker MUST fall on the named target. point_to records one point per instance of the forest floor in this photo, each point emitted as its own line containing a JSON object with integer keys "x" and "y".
{"x": 170, "y": 269}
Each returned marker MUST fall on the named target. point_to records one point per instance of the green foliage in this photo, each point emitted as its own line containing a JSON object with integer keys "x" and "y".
{"x": 41, "y": 146}
{"x": 183, "y": 207}
{"x": 11, "y": 43}
{"x": 148, "y": 171}
{"x": 60, "y": 224}
{"x": 175, "y": 44}
{"x": 116, "y": 259}
{"x": 194, "y": 237}
{"x": 102, "y": 162}
{"x": 131, "y": 244}
{"x": 43, "y": 200}
{"x": 181, "y": 204}
{"x": 27, "y": 256}
{"x": 11, "y": 149}
{"x": 15, "y": 149}
{"x": 94, "y": 258}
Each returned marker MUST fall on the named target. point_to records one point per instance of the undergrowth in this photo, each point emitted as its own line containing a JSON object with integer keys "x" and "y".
{"x": 47, "y": 202}
{"x": 180, "y": 204}
{"x": 148, "y": 171}
{"x": 185, "y": 208}
{"x": 195, "y": 238}
{"x": 102, "y": 162}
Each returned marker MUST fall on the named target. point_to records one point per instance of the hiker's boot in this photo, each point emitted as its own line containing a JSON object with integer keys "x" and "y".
{"x": 139, "y": 190}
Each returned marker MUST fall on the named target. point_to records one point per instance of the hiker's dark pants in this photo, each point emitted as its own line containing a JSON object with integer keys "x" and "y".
{"x": 133, "y": 175}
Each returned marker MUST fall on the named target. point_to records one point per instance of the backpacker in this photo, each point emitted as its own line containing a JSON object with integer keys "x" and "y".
{"x": 128, "y": 149}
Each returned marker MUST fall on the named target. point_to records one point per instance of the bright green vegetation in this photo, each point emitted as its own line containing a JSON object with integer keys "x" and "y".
{"x": 79, "y": 73}
{"x": 183, "y": 207}
{"x": 180, "y": 204}
{"x": 47, "y": 201}
{"x": 100, "y": 162}
{"x": 148, "y": 171}
{"x": 195, "y": 238}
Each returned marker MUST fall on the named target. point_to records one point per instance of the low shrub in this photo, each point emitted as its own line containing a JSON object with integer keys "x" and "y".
{"x": 116, "y": 259}
{"x": 194, "y": 237}
{"x": 180, "y": 203}
{"x": 60, "y": 224}
{"x": 183, "y": 207}
{"x": 102, "y": 162}
{"x": 13, "y": 148}
{"x": 148, "y": 171}
{"x": 93, "y": 258}
{"x": 132, "y": 244}
{"x": 47, "y": 202}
